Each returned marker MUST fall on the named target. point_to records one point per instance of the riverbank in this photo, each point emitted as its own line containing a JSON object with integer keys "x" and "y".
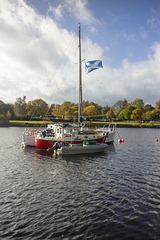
{"x": 16, "y": 123}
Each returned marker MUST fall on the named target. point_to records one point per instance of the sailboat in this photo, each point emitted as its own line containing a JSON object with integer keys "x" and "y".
{"x": 73, "y": 134}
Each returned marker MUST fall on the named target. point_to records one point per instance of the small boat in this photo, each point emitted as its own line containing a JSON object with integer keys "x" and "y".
{"x": 29, "y": 135}
{"x": 86, "y": 147}
{"x": 28, "y": 138}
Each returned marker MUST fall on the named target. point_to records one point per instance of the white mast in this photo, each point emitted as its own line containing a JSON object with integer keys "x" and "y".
{"x": 80, "y": 79}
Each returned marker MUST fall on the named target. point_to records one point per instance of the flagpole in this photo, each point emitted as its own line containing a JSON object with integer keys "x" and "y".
{"x": 80, "y": 79}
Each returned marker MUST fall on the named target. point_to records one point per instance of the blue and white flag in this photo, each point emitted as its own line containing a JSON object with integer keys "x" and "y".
{"x": 93, "y": 65}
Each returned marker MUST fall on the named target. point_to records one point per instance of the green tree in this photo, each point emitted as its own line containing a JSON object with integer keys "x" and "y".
{"x": 117, "y": 107}
{"x": 126, "y": 113}
{"x": 105, "y": 109}
{"x": 85, "y": 104}
{"x": 20, "y": 107}
{"x": 148, "y": 107}
{"x": 138, "y": 103}
{"x": 155, "y": 115}
{"x": 5, "y": 108}
{"x": 125, "y": 103}
{"x": 69, "y": 104}
{"x": 157, "y": 104}
{"x": 148, "y": 116}
{"x": 1, "y": 102}
{"x": 37, "y": 108}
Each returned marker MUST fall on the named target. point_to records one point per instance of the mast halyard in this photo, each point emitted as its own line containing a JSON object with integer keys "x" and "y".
{"x": 80, "y": 79}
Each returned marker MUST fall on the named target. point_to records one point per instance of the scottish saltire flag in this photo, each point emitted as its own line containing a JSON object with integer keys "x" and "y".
{"x": 93, "y": 65}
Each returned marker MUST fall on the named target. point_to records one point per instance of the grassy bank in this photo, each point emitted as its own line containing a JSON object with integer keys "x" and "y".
{"x": 16, "y": 123}
{"x": 4, "y": 123}
{"x": 131, "y": 124}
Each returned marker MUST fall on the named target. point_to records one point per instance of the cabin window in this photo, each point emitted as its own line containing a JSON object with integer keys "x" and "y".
{"x": 86, "y": 136}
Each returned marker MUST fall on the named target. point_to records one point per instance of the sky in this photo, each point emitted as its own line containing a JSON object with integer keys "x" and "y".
{"x": 39, "y": 50}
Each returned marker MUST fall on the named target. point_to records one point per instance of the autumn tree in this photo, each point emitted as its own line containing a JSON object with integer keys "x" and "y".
{"x": 137, "y": 114}
{"x": 91, "y": 111}
{"x": 110, "y": 115}
{"x": 8, "y": 115}
{"x": 75, "y": 110}
{"x": 96, "y": 105}
{"x": 64, "y": 110}
{"x": 37, "y": 108}
{"x": 55, "y": 109}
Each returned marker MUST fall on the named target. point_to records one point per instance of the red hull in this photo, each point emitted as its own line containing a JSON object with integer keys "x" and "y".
{"x": 44, "y": 144}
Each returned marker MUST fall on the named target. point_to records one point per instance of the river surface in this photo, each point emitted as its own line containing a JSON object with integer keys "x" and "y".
{"x": 113, "y": 195}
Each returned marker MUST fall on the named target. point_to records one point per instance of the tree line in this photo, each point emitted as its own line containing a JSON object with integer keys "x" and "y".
{"x": 122, "y": 110}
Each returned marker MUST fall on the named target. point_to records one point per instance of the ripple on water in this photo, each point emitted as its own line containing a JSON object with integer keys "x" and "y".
{"x": 114, "y": 195}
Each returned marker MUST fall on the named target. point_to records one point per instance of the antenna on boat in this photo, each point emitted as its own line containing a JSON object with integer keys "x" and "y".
{"x": 80, "y": 79}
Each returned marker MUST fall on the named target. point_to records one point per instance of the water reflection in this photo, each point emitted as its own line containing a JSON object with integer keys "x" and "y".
{"x": 111, "y": 195}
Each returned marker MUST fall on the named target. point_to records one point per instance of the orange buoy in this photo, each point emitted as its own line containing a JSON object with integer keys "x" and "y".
{"x": 123, "y": 140}
{"x": 156, "y": 139}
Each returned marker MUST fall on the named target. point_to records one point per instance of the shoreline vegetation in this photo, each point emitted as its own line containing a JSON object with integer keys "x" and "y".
{"x": 126, "y": 124}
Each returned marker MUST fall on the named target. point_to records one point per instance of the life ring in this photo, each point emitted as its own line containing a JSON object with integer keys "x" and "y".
{"x": 82, "y": 124}
{"x": 35, "y": 133}
{"x": 32, "y": 132}
{"x": 29, "y": 132}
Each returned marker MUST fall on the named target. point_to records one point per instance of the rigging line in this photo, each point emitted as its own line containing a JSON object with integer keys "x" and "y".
{"x": 65, "y": 62}
{"x": 57, "y": 81}
{"x": 102, "y": 87}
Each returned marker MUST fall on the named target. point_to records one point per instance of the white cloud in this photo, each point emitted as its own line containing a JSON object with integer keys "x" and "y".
{"x": 77, "y": 8}
{"x": 57, "y": 12}
{"x": 154, "y": 21}
{"x": 38, "y": 60}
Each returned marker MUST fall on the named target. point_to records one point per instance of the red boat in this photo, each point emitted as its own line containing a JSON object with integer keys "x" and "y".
{"x": 69, "y": 134}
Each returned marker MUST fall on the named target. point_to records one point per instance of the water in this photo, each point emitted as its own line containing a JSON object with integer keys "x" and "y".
{"x": 113, "y": 195}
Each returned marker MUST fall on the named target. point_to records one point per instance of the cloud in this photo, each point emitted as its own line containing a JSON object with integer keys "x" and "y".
{"x": 77, "y": 8}
{"x": 154, "y": 21}
{"x": 39, "y": 60}
{"x": 32, "y": 50}
{"x": 57, "y": 12}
